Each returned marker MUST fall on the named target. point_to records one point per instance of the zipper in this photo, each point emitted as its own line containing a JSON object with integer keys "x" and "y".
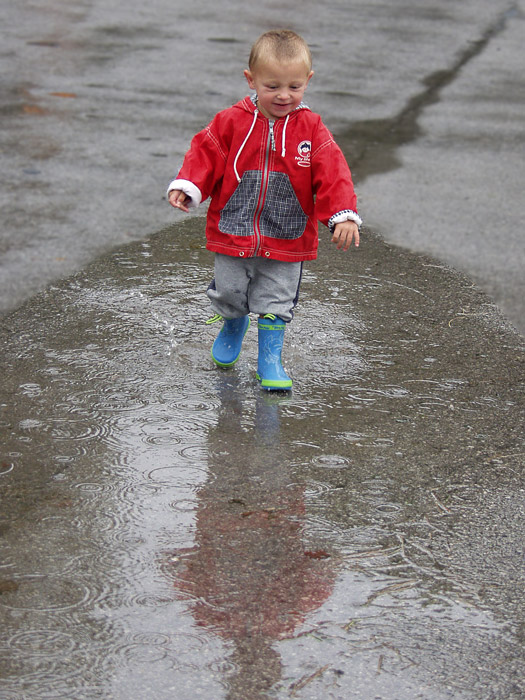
{"x": 272, "y": 137}
{"x": 270, "y": 145}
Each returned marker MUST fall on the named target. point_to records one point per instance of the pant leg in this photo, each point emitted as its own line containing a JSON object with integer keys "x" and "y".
{"x": 274, "y": 288}
{"x": 228, "y": 291}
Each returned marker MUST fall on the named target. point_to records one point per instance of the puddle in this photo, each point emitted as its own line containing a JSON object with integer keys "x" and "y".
{"x": 169, "y": 528}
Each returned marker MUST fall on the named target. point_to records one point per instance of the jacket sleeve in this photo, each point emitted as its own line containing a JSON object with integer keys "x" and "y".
{"x": 203, "y": 165}
{"x": 336, "y": 200}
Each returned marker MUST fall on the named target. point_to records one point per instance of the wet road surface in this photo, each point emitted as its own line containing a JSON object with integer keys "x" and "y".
{"x": 166, "y": 529}
{"x": 169, "y": 530}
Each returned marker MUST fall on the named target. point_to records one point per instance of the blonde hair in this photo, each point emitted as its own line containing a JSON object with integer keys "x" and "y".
{"x": 281, "y": 45}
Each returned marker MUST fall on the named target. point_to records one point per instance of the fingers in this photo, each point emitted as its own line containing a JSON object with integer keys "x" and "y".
{"x": 179, "y": 200}
{"x": 344, "y": 234}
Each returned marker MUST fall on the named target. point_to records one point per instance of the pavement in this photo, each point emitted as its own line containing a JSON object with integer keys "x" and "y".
{"x": 168, "y": 529}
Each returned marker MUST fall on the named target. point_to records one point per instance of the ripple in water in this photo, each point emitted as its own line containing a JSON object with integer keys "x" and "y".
{"x": 31, "y": 424}
{"x": 152, "y": 600}
{"x": 31, "y": 390}
{"x": 179, "y": 477}
{"x": 144, "y": 653}
{"x": 6, "y": 467}
{"x": 195, "y": 404}
{"x": 321, "y": 529}
{"x": 195, "y": 453}
{"x": 388, "y": 508}
{"x": 43, "y": 642}
{"x": 95, "y": 487}
{"x": 330, "y": 461}
{"x": 119, "y": 401}
{"x": 186, "y": 505}
{"x": 197, "y": 422}
{"x": 159, "y": 430}
{"x": 315, "y": 489}
{"x": 80, "y": 430}
{"x": 45, "y": 594}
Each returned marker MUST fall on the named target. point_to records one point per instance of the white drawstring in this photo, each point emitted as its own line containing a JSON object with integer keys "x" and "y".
{"x": 283, "y": 142}
{"x": 243, "y": 145}
{"x": 283, "y": 149}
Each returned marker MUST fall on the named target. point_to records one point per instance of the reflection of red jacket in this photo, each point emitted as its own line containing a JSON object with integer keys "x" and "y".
{"x": 269, "y": 182}
{"x": 250, "y": 575}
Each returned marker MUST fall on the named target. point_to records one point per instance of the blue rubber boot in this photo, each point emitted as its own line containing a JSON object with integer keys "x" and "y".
{"x": 270, "y": 371}
{"x": 227, "y": 346}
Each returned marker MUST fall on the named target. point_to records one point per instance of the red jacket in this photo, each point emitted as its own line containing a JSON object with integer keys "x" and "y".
{"x": 269, "y": 182}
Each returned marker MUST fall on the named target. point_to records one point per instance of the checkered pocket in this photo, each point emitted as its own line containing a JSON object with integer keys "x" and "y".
{"x": 237, "y": 216}
{"x": 282, "y": 215}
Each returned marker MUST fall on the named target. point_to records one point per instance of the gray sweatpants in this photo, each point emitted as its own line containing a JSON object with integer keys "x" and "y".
{"x": 254, "y": 285}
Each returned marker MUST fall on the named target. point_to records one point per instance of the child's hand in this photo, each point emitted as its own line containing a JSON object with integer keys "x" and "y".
{"x": 344, "y": 233}
{"x": 179, "y": 200}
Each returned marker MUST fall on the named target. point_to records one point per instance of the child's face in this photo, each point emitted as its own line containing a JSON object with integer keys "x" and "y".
{"x": 280, "y": 87}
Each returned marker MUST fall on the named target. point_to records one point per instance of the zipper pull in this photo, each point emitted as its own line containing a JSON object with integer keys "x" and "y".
{"x": 272, "y": 137}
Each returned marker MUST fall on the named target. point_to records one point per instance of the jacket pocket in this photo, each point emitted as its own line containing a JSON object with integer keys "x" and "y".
{"x": 281, "y": 216}
{"x": 237, "y": 215}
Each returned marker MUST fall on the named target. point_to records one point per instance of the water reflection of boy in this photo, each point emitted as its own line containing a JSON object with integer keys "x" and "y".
{"x": 250, "y": 576}
{"x": 272, "y": 170}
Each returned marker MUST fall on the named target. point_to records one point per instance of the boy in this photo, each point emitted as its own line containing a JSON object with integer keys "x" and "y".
{"x": 272, "y": 170}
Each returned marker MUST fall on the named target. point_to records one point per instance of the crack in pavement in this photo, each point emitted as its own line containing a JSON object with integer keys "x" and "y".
{"x": 371, "y": 144}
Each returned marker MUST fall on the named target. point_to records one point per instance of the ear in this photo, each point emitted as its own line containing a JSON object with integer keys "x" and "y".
{"x": 309, "y": 77}
{"x": 249, "y": 77}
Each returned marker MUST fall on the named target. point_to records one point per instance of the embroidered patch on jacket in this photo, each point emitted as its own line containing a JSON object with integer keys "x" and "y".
{"x": 304, "y": 149}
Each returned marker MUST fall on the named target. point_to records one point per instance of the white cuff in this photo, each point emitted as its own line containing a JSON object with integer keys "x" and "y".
{"x": 346, "y": 215}
{"x": 189, "y": 189}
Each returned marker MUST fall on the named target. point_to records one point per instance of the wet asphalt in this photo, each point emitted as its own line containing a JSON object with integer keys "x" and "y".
{"x": 169, "y": 530}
